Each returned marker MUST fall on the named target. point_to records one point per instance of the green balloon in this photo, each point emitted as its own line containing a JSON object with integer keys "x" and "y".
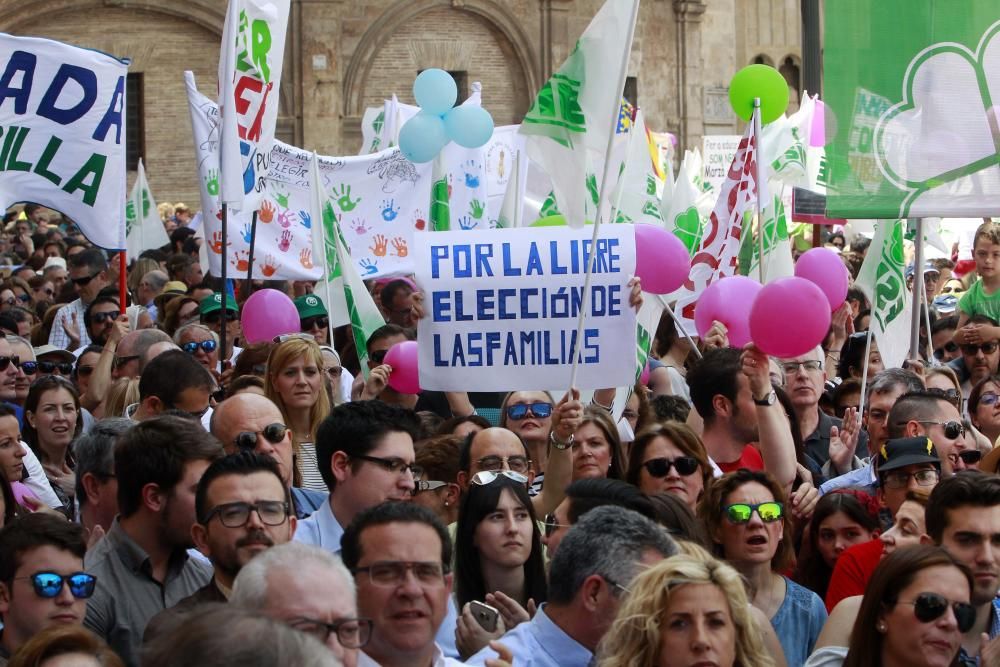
{"x": 761, "y": 81}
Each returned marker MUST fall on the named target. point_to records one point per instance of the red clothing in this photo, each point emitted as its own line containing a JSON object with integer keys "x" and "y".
{"x": 853, "y": 570}
{"x": 749, "y": 459}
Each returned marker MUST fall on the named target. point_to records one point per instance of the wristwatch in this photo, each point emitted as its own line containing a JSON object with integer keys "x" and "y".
{"x": 559, "y": 444}
{"x": 770, "y": 399}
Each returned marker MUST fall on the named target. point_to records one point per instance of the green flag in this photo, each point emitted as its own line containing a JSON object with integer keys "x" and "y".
{"x": 883, "y": 281}
{"x": 912, "y": 94}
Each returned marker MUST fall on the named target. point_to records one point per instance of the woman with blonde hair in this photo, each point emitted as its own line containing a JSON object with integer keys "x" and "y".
{"x": 65, "y": 645}
{"x": 294, "y": 381}
{"x": 687, "y": 609}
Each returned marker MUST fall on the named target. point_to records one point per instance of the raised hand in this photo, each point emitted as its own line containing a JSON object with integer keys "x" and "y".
{"x": 344, "y": 200}
{"x": 389, "y": 210}
{"x": 381, "y": 243}
{"x": 476, "y": 209}
{"x": 844, "y": 441}
{"x": 285, "y": 219}
{"x": 212, "y": 182}
{"x": 266, "y": 213}
{"x": 305, "y": 258}
{"x": 399, "y": 244}
{"x": 305, "y": 219}
{"x": 285, "y": 241}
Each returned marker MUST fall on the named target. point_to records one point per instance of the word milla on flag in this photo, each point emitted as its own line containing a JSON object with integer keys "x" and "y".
{"x": 62, "y": 119}
{"x": 509, "y": 301}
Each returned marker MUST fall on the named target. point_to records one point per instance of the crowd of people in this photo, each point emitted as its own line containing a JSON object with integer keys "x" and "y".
{"x": 166, "y": 501}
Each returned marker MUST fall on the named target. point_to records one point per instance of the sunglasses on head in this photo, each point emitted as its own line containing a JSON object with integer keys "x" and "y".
{"x": 489, "y": 476}
{"x": 50, "y": 584}
{"x": 520, "y": 411}
{"x": 63, "y": 367}
{"x": 986, "y": 348}
{"x": 948, "y": 348}
{"x": 83, "y": 282}
{"x": 929, "y": 607}
{"x": 768, "y": 512}
{"x": 273, "y": 433}
{"x": 208, "y": 346}
{"x": 320, "y": 322}
{"x": 660, "y": 467}
{"x": 7, "y": 361}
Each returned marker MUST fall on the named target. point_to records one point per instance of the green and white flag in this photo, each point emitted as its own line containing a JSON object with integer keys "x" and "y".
{"x": 569, "y": 123}
{"x": 778, "y": 261}
{"x": 144, "y": 229}
{"x": 883, "y": 281}
{"x": 690, "y": 204}
{"x": 635, "y": 196}
{"x": 918, "y": 132}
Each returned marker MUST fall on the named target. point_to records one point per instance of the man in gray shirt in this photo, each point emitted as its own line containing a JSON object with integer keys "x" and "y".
{"x": 142, "y": 565}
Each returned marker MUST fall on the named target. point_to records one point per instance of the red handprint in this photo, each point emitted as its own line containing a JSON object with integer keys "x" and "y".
{"x": 241, "y": 260}
{"x": 381, "y": 245}
{"x": 266, "y": 212}
{"x": 305, "y": 258}
{"x": 269, "y": 267}
{"x": 286, "y": 240}
{"x": 216, "y": 244}
{"x": 399, "y": 244}
{"x": 419, "y": 221}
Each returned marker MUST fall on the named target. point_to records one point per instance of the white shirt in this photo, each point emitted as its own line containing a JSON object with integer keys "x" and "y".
{"x": 439, "y": 660}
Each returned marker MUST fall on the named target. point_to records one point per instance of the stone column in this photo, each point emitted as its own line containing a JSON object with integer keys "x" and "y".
{"x": 318, "y": 100}
{"x": 688, "y": 15}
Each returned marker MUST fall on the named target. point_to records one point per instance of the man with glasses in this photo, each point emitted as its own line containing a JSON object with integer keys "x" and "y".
{"x": 904, "y": 464}
{"x": 210, "y": 312}
{"x": 942, "y": 331}
{"x": 201, "y": 343}
{"x": 242, "y": 510}
{"x": 396, "y": 298}
{"x": 127, "y": 354}
{"x": 364, "y": 451}
{"x": 150, "y": 286}
{"x": 142, "y": 565}
{"x": 593, "y": 568}
{"x": 377, "y": 384}
{"x": 310, "y": 590}
{"x": 930, "y": 414}
{"x": 400, "y": 555}
{"x": 42, "y": 582}
{"x": 172, "y": 381}
{"x": 251, "y": 422}
{"x": 100, "y": 317}
{"x": 313, "y": 318}
{"x": 88, "y": 270}
{"x": 980, "y": 352}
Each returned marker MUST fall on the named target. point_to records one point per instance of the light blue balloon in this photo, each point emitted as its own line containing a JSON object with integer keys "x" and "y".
{"x": 422, "y": 137}
{"x": 435, "y": 91}
{"x": 469, "y": 126}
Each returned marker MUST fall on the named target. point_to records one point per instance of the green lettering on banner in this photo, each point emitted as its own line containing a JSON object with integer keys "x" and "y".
{"x": 890, "y": 299}
{"x": 261, "y": 44}
{"x": 13, "y": 164}
{"x": 643, "y": 343}
{"x": 7, "y": 141}
{"x": 94, "y": 166}
{"x": 42, "y": 167}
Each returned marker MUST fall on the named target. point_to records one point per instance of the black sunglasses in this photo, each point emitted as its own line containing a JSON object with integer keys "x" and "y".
{"x": 378, "y": 356}
{"x": 101, "y": 318}
{"x": 63, "y": 367}
{"x": 952, "y": 429}
{"x": 83, "y": 282}
{"x": 50, "y": 584}
{"x": 7, "y": 361}
{"x": 987, "y": 348}
{"x": 950, "y": 348}
{"x": 969, "y": 456}
{"x": 273, "y": 433}
{"x": 660, "y": 467}
{"x": 320, "y": 322}
{"x": 929, "y": 607}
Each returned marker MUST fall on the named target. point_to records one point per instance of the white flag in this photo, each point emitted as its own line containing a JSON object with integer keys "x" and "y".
{"x": 882, "y": 279}
{"x": 145, "y": 229}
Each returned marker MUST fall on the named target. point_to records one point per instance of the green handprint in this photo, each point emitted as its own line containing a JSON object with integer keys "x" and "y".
{"x": 476, "y": 209}
{"x": 281, "y": 198}
{"x": 212, "y": 182}
{"x": 344, "y": 198}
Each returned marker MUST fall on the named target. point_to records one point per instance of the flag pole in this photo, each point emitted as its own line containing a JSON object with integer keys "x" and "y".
{"x": 122, "y": 268}
{"x": 592, "y": 260}
{"x": 222, "y": 271}
{"x": 760, "y": 192}
{"x": 680, "y": 325}
{"x": 253, "y": 240}
{"x": 519, "y": 201}
{"x": 918, "y": 288}
{"x": 318, "y": 206}
{"x": 864, "y": 372}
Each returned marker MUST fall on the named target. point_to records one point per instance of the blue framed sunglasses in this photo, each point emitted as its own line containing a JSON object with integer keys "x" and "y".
{"x": 207, "y": 345}
{"x": 520, "y": 411}
{"x": 50, "y": 584}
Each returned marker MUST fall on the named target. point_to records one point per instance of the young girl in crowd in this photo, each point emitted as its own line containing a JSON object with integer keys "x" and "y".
{"x": 52, "y": 418}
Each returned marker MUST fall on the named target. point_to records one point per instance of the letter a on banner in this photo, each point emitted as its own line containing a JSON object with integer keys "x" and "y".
{"x": 253, "y": 46}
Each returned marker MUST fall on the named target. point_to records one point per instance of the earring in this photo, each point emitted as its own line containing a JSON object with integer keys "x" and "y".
{"x": 881, "y": 627}
{"x": 446, "y": 503}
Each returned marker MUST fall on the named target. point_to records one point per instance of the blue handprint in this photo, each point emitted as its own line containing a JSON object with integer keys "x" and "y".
{"x": 369, "y": 265}
{"x": 465, "y": 222}
{"x": 305, "y": 219}
{"x": 389, "y": 210}
{"x": 471, "y": 169}
{"x": 247, "y": 233}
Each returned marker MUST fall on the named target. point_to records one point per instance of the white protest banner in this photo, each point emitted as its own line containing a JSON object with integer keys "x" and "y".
{"x": 502, "y": 308}
{"x": 381, "y": 198}
{"x": 500, "y": 161}
{"x": 717, "y": 154}
{"x": 62, "y": 128}
{"x": 253, "y": 48}
{"x": 145, "y": 229}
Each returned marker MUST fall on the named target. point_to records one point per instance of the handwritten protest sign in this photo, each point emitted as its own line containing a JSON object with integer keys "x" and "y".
{"x": 718, "y": 152}
{"x": 502, "y": 308}
{"x": 62, "y": 133}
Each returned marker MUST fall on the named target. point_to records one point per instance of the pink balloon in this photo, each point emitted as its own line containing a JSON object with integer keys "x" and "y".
{"x": 661, "y": 260}
{"x": 24, "y": 496}
{"x": 789, "y": 317}
{"x": 405, "y": 376}
{"x": 727, "y": 300}
{"x": 817, "y": 134}
{"x": 824, "y": 267}
{"x": 266, "y": 314}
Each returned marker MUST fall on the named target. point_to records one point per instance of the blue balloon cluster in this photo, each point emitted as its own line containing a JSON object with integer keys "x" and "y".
{"x": 422, "y": 137}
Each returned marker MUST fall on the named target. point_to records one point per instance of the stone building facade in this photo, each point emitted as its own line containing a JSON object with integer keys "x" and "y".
{"x": 345, "y": 55}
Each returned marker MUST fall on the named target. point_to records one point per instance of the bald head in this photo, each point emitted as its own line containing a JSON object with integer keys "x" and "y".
{"x": 253, "y": 413}
{"x": 486, "y": 444}
{"x": 155, "y": 350}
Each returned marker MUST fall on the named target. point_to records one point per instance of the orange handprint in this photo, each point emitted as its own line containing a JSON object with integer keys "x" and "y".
{"x": 216, "y": 244}
{"x": 266, "y": 211}
{"x": 399, "y": 244}
{"x": 241, "y": 261}
{"x": 381, "y": 245}
{"x": 305, "y": 258}
{"x": 270, "y": 266}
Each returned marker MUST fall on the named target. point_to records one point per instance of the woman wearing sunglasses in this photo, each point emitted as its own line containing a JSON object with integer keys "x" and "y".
{"x": 746, "y": 519}
{"x": 669, "y": 457}
{"x": 202, "y": 343}
{"x": 529, "y": 415}
{"x": 913, "y": 613}
{"x": 52, "y": 418}
{"x": 294, "y": 381}
{"x": 596, "y": 447}
{"x": 984, "y": 407}
{"x": 498, "y": 549}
